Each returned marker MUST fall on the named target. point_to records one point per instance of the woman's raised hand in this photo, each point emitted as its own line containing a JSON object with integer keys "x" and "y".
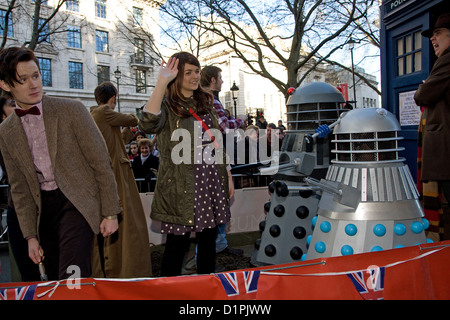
{"x": 167, "y": 73}
{"x": 169, "y": 70}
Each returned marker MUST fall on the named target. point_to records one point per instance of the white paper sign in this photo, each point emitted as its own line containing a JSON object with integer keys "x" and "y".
{"x": 409, "y": 110}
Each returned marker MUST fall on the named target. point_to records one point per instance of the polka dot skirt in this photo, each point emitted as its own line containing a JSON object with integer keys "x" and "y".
{"x": 210, "y": 202}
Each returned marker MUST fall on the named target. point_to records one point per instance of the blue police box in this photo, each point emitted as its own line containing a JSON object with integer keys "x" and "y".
{"x": 406, "y": 60}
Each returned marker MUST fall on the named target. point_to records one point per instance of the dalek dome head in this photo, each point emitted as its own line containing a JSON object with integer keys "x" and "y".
{"x": 313, "y": 104}
{"x": 367, "y": 120}
{"x": 315, "y": 92}
{"x": 367, "y": 135}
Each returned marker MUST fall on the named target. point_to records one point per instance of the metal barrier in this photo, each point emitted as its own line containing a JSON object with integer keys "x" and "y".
{"x": 145, "y": 185}
{"x": 240, "y": 181}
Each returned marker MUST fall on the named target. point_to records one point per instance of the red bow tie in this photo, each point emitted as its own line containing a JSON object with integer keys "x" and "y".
{"x": 22, "y": 112}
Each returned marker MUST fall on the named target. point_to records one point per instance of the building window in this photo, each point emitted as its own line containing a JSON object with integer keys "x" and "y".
{"x": 73, "y": 5}
{"x": 138, "y": 15}
{"x": 74, "y": 37}
{"x": 10, "y": 23}
{"x": 75, "y": 75}
{"x": 409, "y": 53}
{"x": 45, "y": 65}
{"x": 141, "y": 81}
{"x": 44, "y": 35}
{"x": 139, "y": 52}
{"x": 103, "y": 74}
{"x": 101, "y": 41}
{"x": 100, "y": 9}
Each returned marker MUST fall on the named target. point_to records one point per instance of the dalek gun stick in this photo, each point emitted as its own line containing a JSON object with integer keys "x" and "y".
{"x": 322, "y": 127}
{"x": 315, "y": 183}
{"x": 267, "y": 171}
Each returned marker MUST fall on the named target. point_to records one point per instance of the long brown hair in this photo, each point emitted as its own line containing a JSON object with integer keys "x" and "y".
{"x": 174, "y": 96}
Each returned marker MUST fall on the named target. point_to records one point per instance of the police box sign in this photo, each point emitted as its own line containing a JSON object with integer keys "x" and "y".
{"x": 395, "y": 4}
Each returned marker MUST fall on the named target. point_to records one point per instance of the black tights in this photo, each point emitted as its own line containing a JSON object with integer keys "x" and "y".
{"x": 178, "y": 245}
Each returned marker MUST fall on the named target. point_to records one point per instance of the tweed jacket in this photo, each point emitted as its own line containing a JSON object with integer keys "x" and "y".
{"x": 79, "y": 158}
{"x": 434, "y": 94}
{"x": 173, "y": 201}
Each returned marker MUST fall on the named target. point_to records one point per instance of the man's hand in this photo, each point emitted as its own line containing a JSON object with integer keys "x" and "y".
{"x": 35, "y": 251}
{"x": 108, "y": 227}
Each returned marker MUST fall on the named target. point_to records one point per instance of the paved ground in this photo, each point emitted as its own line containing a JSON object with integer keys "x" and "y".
{"x": 224, "y": 261}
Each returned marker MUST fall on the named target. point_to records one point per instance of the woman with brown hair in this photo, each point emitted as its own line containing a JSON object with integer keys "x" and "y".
{"x": 193, "y": 190}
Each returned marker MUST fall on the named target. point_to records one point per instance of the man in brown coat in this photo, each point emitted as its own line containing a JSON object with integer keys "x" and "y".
{"x": 59, "y": 171}
{"x": 434, "y": 95}
{"x": 126, "y": 254}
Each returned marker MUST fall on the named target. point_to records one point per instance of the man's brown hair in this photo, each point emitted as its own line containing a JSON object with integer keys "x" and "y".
{"x": 10, "y": 58}
{"x": 104, "y": 91}
{"x": 208, "y": 73}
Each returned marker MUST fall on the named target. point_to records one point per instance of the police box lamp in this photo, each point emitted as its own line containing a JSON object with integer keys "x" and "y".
{"x": 442, "y": 22}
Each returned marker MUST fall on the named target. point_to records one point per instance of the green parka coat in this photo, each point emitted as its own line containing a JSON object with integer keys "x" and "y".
{"x": 173, "y": 201}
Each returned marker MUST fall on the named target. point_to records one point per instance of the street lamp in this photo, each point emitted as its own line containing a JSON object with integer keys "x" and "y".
{"x": 351, "y": 45}
{"x": 118, "y": 75}
{"x": 235, "y": 92}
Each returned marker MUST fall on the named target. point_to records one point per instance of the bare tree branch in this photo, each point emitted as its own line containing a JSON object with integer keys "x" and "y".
{"x": 11, "y": 5}
{"x": 290, "y": 33}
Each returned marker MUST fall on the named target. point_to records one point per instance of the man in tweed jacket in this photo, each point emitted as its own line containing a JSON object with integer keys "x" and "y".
{"x": 60, "y": 174}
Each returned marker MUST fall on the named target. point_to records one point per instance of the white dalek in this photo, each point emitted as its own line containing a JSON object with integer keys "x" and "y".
{"x": 369, "y": 200}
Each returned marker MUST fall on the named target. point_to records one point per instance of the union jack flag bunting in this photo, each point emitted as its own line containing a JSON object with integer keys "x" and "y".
{"x": 369, "y": 283}
{"x": 240, "y": 285}
{"x": 21, "y": 293}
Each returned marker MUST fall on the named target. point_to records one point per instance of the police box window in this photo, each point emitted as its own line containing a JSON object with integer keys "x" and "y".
{"x": 409, "y": 53}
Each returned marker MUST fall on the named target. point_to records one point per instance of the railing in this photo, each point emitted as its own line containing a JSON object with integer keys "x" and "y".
{"x": 141, "y": 60}
{"x": 240, "y": 181}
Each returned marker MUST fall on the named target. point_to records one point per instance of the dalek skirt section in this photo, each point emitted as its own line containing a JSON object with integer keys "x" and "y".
{"x": 288, "y": 224}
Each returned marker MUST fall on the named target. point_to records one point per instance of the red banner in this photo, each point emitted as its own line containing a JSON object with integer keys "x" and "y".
{"x": 343, "y": 88}
{"x": 418, "y": 272}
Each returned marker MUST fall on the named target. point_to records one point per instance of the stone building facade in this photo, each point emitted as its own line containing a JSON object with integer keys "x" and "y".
{"x": 89, "y": 41}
